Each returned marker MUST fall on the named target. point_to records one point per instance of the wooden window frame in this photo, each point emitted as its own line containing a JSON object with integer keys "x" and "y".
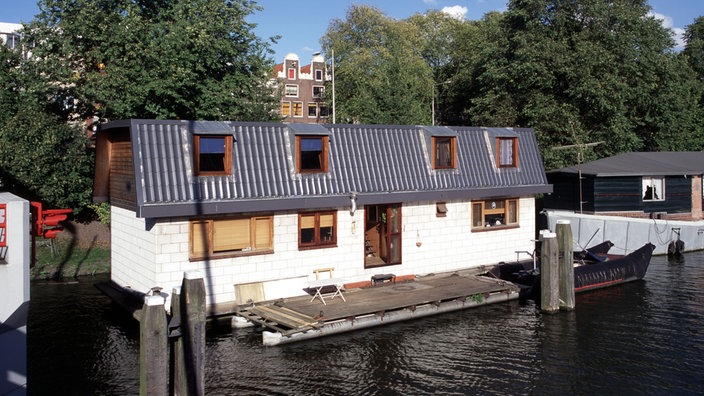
{"x": 210, "y": 225}
{"x": 453, "y": 152}
{"x": 514, "y": 154}
{"x": 227, "y": 156}
{"x": 323, "y": 155}
{"x": 318, "y": 74}
{"x": 494, "y": 211}
{"x": 320, "y": 89}
{"x": 317, "y": 242}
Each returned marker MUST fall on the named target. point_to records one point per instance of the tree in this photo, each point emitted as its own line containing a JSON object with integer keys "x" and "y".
{"x": 381, "y": 77}
{"x": 44, "y": 158}
{"x": 694, "y": 46}
{"x": 600, "y": 68}
{"x": 189, "y": 59}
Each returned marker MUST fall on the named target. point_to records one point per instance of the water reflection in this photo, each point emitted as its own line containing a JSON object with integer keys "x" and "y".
{"x": 639, "y": 338}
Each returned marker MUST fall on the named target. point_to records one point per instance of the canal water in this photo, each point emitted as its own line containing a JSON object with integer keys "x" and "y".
{"x": 641, "y": 338}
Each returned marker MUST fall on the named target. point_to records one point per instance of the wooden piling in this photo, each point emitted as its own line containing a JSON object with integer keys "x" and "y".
{"x": 153, "y": 348}
{"x": 179, "y": 376}
{"x": 566, "y": 266}
{"x": 549, "y": 286}
{"x": 193, "y": 315}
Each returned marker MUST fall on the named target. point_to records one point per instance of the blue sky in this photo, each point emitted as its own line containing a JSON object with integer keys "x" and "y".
{"x": 302, "y": 25}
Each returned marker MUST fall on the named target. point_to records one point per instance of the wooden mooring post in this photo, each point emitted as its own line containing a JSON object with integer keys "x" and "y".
{"x": 187, "y": 330}
{"x": 549, "y": 287}
{"x": 153, "y": 348}
{"x": 566, "y": 267}
{"x": 193, "y": 315}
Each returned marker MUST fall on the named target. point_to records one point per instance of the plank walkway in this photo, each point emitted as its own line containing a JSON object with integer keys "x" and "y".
{"x": 300, "y": 314}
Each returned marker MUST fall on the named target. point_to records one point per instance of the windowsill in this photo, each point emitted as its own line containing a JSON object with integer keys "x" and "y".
{"x": 313, "y": 247}
{"x": 224, "y": 255}
{"x": 495, "y": 228}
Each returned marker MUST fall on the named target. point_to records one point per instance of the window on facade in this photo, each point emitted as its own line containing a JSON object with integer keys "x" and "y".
{"x": 312, "y": 110}
{"x": 291, "y": 74}
{"x": 318, "y": 75}
{"x": 285, "y": 109}
{"x": 317, "y": 229}
{"x": 312, "y": 153}
{"x": 324, "y": 112}
{"x": 318, "y": 91}
{"x": 297, "y": 109}
{"x": 507, "y": 152}
{"x": 653, "y": 189}
{"x": 231, "y": 236}
{"x": 213, "y": 155}
{"x": 492, "y": 214}
{"x": 291, "y": 90}
{"x": 444, "y": 152}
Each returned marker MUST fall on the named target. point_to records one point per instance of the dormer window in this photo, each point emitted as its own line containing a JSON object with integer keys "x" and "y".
{"x": 444, "y": 152}
{"x": 213, "y": 155}
{"x": 312, "y": 155}
{"x": 507, "y": 152}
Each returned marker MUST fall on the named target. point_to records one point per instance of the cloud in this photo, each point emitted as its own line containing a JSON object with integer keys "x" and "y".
{"x": 667, "y": 22}
{"x": 430, "y": 2}
{"x": 457, "y": 12}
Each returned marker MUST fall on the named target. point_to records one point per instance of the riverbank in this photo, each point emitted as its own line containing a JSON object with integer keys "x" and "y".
{"x": 81, "y": 249}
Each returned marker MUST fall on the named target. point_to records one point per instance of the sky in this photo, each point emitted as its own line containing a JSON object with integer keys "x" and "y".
{"x": 302, "y": 26}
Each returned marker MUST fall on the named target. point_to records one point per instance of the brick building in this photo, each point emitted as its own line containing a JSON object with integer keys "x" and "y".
{"x": 303, "y": 89}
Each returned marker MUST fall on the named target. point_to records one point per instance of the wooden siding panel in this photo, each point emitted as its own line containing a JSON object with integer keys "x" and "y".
{"x": 678, "y": 197}
{"x": 618, "y": 194}
{"x": 122, "y": 189}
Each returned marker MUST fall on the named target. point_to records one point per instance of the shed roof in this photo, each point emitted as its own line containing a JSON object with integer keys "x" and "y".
{"x": 660, "y": 163}
{"x": 376, "y": 163}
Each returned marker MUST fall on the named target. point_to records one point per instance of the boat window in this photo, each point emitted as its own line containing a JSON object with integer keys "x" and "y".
{"x": 317, "y": 229}
{"x": 231, "y": 236}
{"x": 494, "y": 214}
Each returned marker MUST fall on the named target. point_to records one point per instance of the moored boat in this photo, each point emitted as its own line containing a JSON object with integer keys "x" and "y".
{"x": 590, "y": 272}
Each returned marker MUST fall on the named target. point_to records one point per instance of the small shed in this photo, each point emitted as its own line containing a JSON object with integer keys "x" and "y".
{"x": 636, "y": 184}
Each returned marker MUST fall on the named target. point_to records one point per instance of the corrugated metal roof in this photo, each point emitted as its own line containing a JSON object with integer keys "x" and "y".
{"x": 380, "y": 163}
{"x": 643, "y": 164}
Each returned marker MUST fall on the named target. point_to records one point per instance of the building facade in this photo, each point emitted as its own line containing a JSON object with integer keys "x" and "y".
{"x": 302, "y": 90}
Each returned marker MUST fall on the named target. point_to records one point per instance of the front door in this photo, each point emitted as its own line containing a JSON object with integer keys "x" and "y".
{"x": 382, "y": 235}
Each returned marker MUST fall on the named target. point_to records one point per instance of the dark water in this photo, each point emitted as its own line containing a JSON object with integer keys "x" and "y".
{"x": 641, "y": 338}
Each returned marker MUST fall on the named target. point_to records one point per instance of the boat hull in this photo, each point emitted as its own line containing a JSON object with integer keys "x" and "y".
{"x": 588, "y": 276}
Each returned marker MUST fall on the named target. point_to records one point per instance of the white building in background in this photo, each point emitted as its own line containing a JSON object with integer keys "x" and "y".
{"x": 9, "y": 34}
{"x": 11, "y": 37}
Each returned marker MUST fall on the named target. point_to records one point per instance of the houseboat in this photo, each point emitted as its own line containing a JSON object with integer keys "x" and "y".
{"x": 263, "y": 209}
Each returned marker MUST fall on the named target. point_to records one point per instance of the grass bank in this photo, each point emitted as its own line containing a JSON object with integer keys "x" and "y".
{"x": 60, "y": 258}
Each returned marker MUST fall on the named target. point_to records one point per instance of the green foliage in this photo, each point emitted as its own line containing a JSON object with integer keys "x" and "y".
{"x": 42, "y": 157}
{"x": 102, "y": 210}
{"x": 381, "y": 77}
{"x": 186, "y": 59}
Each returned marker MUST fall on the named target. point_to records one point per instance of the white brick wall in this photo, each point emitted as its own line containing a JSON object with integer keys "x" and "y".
{"x": 158, "y": 255}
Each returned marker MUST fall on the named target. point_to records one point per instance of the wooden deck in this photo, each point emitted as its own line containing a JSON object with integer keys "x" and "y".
{"x": 441, "y": 293}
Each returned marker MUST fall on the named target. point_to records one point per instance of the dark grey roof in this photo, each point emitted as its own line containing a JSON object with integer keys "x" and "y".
{"x": 643, "y": 164}
{"x": 378, "y": 163}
